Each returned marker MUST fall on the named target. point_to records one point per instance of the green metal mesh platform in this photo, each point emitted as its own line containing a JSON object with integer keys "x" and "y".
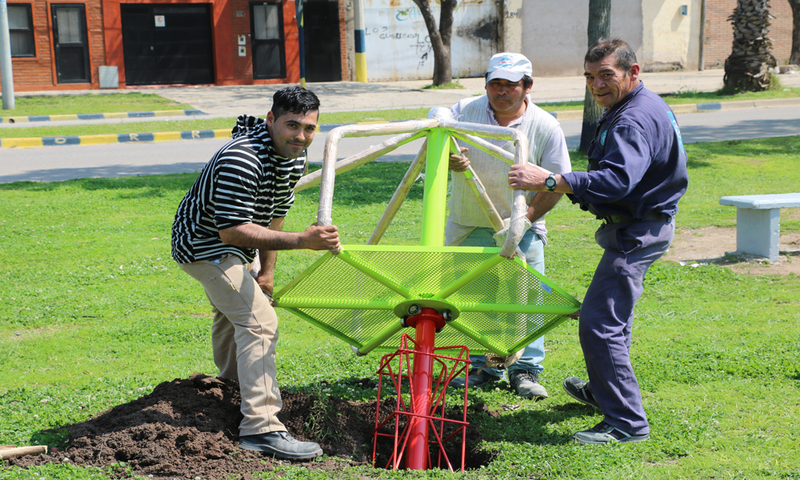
{"x": 500, "y": 305}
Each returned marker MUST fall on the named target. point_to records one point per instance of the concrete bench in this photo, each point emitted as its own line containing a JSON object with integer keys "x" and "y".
{"x": 758, "y": 221}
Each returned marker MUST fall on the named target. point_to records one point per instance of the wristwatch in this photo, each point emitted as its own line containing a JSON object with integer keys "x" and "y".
{"x": 550, "y": 182}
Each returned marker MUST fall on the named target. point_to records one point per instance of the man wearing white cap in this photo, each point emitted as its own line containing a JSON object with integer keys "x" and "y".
{"x": 507, "y": 103}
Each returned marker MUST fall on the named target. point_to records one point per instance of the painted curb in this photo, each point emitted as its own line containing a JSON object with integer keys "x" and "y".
{"x": 113, "y": 138}
{"x": 225, "y": 133}
{"x": 100, "y": 116}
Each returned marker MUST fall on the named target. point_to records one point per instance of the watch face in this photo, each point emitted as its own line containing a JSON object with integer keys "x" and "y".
{"x": 550, "y": 182}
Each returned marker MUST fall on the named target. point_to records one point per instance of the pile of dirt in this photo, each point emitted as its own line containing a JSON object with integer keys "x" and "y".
{"x": 188, "y": 428}
{"x": 717, "y": 246}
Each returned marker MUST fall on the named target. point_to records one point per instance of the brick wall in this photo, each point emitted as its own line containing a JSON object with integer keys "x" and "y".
{"x": 343, "y": 40}
{"x": 38, "y": 73}
{"x": 242, "y": 66}
{"x": 719, "y": 31}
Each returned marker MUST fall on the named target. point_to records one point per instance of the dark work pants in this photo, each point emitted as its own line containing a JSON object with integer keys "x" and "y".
{"x": 606, "y": 317}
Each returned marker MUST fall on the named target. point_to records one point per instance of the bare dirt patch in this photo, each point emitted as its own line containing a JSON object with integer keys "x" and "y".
{"x": 715, "y": 245}
{"x": 188, "y": 428}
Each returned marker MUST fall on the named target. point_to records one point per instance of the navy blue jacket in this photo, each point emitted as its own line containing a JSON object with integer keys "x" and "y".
{"x": 637, "y": 162}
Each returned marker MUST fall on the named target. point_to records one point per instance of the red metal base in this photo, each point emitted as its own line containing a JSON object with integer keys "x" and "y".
{"x": 419, "y": 390}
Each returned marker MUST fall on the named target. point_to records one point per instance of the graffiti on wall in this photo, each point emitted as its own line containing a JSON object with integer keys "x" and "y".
{"x": 398, "y": 46}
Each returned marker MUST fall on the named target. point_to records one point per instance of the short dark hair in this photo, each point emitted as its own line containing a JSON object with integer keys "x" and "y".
{"x": 605, "y": 47}
{"x": 294, "y": 100}
{"x": 527, "y": 81}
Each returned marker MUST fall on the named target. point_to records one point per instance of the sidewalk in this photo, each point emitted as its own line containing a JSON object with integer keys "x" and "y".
{"x": 353, "y": 96}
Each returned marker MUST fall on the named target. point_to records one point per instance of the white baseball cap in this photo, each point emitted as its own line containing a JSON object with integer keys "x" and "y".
{"x": 509, "y": 66}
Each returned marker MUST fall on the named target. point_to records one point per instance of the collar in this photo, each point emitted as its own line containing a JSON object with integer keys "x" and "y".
{"x": 624, "y": 101}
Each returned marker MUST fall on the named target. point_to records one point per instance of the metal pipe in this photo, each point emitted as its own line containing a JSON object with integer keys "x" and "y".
{"x": 435, "y": 196}
{"x": 399, "y": 196}
{"x": 353, "y": 161}
{"x": 6, "y": 70}
{"x": 360, "y": 41}
{"x": 702, "y": 34}
{"x": 417, "y": 457}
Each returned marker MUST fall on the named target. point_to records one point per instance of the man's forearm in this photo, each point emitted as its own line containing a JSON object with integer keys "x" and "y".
{"x": 250, "y": 235}
{"x": 269, "y": 257}
{"x": 542, "y": 203}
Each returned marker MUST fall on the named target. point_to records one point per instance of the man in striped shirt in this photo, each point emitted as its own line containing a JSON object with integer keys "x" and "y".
{"x": 234, "y": 210}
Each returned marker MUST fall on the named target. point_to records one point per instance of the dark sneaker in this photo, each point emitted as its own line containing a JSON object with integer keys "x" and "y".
{"x": 527, "y": 385}
{"x": 580, "y": 391}
{"x": 476, "y": 379}
{"x": 280, "y": 445}
{"x": 603, "y": 433}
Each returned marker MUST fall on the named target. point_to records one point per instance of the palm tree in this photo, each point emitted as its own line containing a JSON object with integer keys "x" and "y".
{"x": 748, "y": 66}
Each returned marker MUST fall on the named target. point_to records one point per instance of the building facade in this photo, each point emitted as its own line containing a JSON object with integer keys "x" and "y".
{"x": 90, "y": 44}
{"x": 666, "y": 35}
{"x": 87, "y": 44}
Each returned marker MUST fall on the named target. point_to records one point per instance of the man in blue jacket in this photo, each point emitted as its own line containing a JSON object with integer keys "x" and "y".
{"x": 636, "y": 175}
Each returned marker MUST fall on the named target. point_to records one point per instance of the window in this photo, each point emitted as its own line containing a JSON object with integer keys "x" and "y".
{"x": 267, "y": 40}
{"x": 20, "y": 27}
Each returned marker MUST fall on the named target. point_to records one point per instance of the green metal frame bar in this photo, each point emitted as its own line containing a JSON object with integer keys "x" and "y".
{"x": 381, "y": 337}
{"x": 480, "y": 338}
{"x": 469, "y": 276}
{"x": 334, "y": 332}
{"x": 548, "y": 282}
{"x": 435, "y": 193}
{"x": 370, "y": 271}
{"x": 324, "y": 258}
{"x": 525, "y": 341}
{"x": 335, "y": 303}
{"x": 515, "y": 308}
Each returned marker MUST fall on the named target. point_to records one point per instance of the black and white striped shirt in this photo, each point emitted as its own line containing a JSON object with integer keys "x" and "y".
{"x": 246, "y": 181}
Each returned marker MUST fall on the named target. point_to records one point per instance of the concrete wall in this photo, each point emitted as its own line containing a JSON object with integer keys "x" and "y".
{"x": 671, "y": 40}
{"x": 398, "y": 47}
{"x": 554, "y": 37}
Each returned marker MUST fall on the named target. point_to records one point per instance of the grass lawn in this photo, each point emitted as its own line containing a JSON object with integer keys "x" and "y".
{"x": 94, "y": 313}
{"x": 28, "y": 106}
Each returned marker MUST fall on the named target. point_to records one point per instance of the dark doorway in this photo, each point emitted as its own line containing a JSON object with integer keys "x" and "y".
{"x": 167, "y": 44}
{"x": 322, "y": 42}
{"x": 266, "y": 27}
{"x": 71, "y": 44}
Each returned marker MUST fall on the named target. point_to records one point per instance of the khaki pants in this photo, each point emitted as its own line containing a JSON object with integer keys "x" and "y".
{"x": 243, "y": 337}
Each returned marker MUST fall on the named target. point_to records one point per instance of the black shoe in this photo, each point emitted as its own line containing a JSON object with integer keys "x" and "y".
{"x": 280, "y": 445}
{"x": 580, "y": 391}
{"x": 603, "y": 433}
{"x": 477, "y": 379}
{"x": 527, "y": 385}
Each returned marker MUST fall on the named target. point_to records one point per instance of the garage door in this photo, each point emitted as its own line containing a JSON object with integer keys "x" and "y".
{"x": 167, "y": 44}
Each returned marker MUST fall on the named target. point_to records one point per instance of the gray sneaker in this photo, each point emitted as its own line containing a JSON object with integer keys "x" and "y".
{"x": 580, "y": 391}
{"x": 603, "y": 433}
{"x": 476, "y": 379}
{"x": 280, "y": 445}
{"x": 527, "y": 385}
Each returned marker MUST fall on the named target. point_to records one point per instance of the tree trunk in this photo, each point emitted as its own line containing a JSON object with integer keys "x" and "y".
{"x": 794, "y": 59}
{"x": 747, "y": 68}
{"x": 599, "y": 27}
{"x": 440, "y": 38}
